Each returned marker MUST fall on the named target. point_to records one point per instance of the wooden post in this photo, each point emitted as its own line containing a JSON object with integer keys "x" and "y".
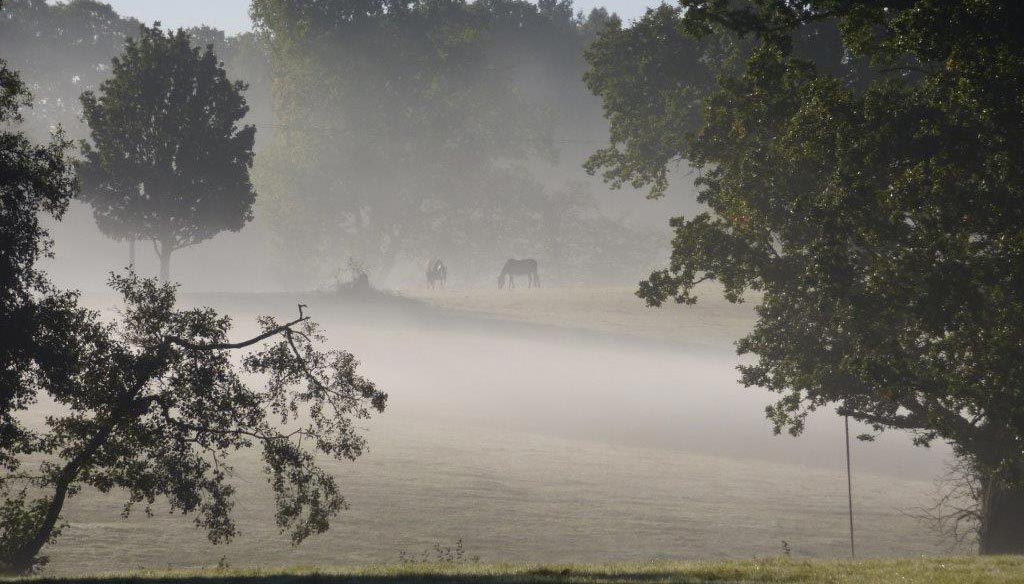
{"x": 849, "y": 485}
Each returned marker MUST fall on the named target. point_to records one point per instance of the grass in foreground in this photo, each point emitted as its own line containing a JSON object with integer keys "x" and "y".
{"x": 958, "y": 570}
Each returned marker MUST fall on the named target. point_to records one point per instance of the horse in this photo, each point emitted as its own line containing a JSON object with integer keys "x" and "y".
{"x": 519, "y": 268}
{"x": 437, "y": 273}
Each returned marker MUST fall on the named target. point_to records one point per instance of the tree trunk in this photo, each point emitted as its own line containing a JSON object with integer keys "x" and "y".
{"x": 387, "y": 256}
{"x": 165, "y": 262}
{"x": 24, "y": 558}
{"x": 1002, "y": 518}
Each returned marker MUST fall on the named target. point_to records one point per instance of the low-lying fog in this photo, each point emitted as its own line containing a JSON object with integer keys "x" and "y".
{"x": 540, "y": 444}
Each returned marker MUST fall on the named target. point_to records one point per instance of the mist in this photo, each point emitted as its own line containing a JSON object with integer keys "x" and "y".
{"x": 622, "y": 401}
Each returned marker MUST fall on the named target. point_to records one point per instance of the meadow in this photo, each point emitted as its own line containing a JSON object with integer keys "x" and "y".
{"x": 551, "y": 441}
{"x": 712, "y": 322}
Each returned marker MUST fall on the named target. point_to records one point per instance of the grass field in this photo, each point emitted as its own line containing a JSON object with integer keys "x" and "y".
{"x": 998, "y": 570}
{"x": 713, "y": 321}
{"x": 554, "y": 440}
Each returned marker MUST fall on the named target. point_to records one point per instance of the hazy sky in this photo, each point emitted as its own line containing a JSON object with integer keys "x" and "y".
{"x": 233, "y": 15}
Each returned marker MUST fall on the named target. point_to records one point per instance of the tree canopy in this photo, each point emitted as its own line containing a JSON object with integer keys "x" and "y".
{"x": 61, "y": 49}
{"x": 406, "y": 129}
{"x": 167, "y": 160}
{"x": 864, "y": 176}
{"x": 156, "y": 405}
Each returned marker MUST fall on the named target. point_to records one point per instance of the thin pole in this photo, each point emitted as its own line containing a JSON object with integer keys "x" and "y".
{"x": 849, "y": 485}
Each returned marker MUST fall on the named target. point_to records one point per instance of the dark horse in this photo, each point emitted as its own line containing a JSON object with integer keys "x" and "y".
{"x": 437, "y": 273}
{"x": 519, "y": 268}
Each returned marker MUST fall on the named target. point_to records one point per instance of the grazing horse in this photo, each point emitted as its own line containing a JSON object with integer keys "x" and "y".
{"x": 519, "y": 268}
{"x": 437, "y": 273}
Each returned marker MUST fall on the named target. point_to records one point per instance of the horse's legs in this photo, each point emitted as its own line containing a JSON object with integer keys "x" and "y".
{"x": 536, "y": 278}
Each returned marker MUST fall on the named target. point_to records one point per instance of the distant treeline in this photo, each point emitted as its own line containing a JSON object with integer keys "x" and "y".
{"x": 388, "y": 131}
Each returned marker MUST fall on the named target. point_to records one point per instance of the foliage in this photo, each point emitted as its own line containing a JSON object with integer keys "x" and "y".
{"x": 167, "y": 160}
{"x": 155, "y": 405}
{"x": 244, "y": 56}
{"x": 64, "y": 48}
{"x": 875, "y": 200}
{"x": 651, "y": 78}
{"x": 34, "y": 180}
{"x": 404, "y": 126}
{"x": 61, "y": 49}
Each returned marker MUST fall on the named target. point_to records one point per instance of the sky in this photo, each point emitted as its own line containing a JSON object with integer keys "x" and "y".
{"x": 233, "y": 15}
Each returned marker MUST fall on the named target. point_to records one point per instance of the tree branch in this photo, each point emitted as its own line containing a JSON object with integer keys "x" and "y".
{"x": 240, "y": 345}
{"x": 199, "y": 430}
{"x": 309, "y": 374}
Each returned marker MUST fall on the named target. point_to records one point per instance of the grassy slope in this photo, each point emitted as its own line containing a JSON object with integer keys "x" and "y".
{"x": 959, "y": 570}
{"x": 712, "y": 321}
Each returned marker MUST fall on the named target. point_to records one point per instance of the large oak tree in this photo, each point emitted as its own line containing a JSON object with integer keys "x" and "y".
{"x": 167, "y": 161}
{"x": 875, "y": 201}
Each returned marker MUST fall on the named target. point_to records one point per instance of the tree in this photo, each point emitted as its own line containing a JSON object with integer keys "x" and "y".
{"x": 156, "y": 406}
{"x": 874, "y": 201}
{"x": 390, "y": 119}
{"x": 34, "y": 180}
{"x": 407, "y": 128}
{"x": 61, "y": 49}
{"x": 167, "y": 161}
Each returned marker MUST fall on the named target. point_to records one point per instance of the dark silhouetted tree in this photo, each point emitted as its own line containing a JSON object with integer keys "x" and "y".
{"x": 869, "y": 184}
{"x": 155, "y": 405}
{"x": 34, "y": 180}
{"x": 167, "y": 160}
